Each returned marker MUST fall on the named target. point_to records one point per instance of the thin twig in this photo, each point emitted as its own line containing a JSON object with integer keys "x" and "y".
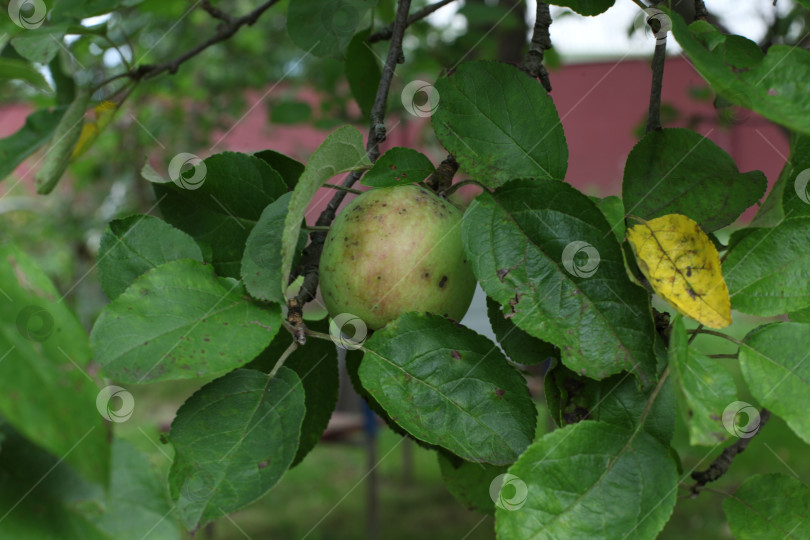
{"x": 215, "y": 12}
{"x": 720, "y": 465}
{"x": 469, "y": 182}
{"x": 701, "y": 13}
{"x": 659, "y": 58}
{"x": 721, "y": 355}
{"x": 311, "y": 257}
{"x": 343, "y": 188}
{"x": 388, "y": 31}
{"x": 540, "y": 43}
{"x": 224, "y": 31}
{"x": 286, "y": 354}
{"x": 714, "y": 333}
{"x": 695, "y": 334}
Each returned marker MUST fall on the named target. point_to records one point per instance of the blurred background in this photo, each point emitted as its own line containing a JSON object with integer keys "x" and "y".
{"x": 259, "y": 91}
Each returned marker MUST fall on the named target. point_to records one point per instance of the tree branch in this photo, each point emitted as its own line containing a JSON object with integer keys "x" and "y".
{"x": 225, "y": 30}
{"x": 388, "y": 31}
{"x": 540, "y": 43}
{"x": 720, "y": 465}
{"x": 701, "y": 13}
{"x": 442, "y": 177}
{"x": 215, "y": 12}
{"x": 659, "y": 58}
{"x": 311, "y": 256}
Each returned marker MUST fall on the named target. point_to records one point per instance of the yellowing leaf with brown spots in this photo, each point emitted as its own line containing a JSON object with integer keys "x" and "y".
{"x": 683, "y": 267}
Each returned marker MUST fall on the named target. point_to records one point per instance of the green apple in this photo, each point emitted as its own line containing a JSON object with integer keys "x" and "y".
{"x": 394, "y": 250}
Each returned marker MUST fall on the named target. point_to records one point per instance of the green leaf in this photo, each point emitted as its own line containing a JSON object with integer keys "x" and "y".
{"x": 740, "y": 52}
{"x": 707, "y": 388}
{"x": 774, "y": 86}
{"x": 180, "y": 321}
{"x": 132, "y": 245}
{"x": 290, "y": 112}
{"x": 261, "y": 263}
{"x": 38, "y": 129}
{"x": 586, "y": 7}
{"x": 615, "y": 400}
{"x": 398, "y": 166}
{"x": 35, "y": 483}
{"x": 289, "y": 169}
{"x": 519, "y": 346}
{"x": 234, "y": 439}
{"x": 325, "y": 27}
{"x": 45, "y": 391}
{"x": 769, "y": 506}
{"x": 63, "y": 81}
{"x": 362, "y": 71}
{"x": 137, "y": 505}
{"x": 447, "y": 385}
{"x": 149, "y": 174}
{"x": 678, "y": 171}
{"x": 773, "y": 360}
{"x": 65, "y": 137}
{"x": 500, "y": 124}
{"x": 341, "y": 151}
{"x": 545, "y": 252}
{"x": 768, "y": 270}
{"x": 14, "y": 69}
{"x": 470, "y": 482}
{"x": 75, "y": 10}
{"x": 317, "y": 367}
{"x": 589, "y": 480}
{"x": 613, "y": 209}
{"x": 802, "y": 316}
{"x": 41, "y": 44}
{"x": 220, "y": 211}
{"x": 787, "y": 187}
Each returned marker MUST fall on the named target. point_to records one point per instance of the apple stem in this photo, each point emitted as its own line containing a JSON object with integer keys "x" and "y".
{"x": 286, "y": 354}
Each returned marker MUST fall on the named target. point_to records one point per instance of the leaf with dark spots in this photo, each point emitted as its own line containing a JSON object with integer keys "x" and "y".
{"x": 531, "y": 227}
{"x": 256, "y": 423}
{"x": 184, "y": 293}
{"x": 451, "y": 404}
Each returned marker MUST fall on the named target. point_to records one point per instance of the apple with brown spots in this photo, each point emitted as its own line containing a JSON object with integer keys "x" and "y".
{"x": 394, "y": 250}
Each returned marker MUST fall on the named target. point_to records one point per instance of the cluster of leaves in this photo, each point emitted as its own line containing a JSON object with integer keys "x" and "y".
{"x": 199, "y": 295}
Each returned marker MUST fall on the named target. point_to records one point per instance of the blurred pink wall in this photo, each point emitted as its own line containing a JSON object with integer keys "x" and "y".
{"x": 600, "y": 105}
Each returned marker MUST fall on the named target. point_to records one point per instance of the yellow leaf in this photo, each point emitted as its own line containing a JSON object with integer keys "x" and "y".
{"x": 683, "y": 267}
{"x": 104, "y": 112}
{"x": 86, "y": 140}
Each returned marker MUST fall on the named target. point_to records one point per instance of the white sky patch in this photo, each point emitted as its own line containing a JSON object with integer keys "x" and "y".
{"x": 605, "y": 36}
